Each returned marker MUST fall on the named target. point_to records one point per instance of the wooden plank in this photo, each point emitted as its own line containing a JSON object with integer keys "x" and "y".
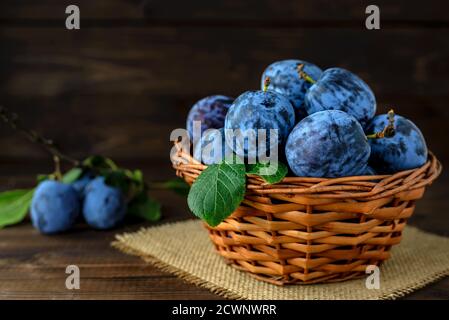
{"x": 119, "y": 126}
{"x": 172, "y": 61}
{"x": 32, "y": 266}
{"x": 310, "y": 10}
{"x": 228, "y": 12}
{"x": 55, "y": 9}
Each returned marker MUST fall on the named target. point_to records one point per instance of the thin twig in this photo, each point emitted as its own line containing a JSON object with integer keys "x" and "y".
{"x": 12, "y": 119}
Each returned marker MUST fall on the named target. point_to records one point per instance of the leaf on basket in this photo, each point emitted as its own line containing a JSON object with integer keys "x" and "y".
{"x": 271, "y": 173}
{"x": 217, "y": 192}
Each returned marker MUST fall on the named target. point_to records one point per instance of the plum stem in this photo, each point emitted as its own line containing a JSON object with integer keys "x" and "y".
{"x": 304, "y": 75}
{"x": 389, "y": 129}
{"x": 12, "y": 119}
{"x": 57, "y": 172}
{"x": 266, "y": 84}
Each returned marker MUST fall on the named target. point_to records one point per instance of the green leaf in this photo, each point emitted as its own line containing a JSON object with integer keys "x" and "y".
{"x": 217, "y": 192}
{"x": 72, "y": 175}
{"x": 118, "y": 179}
{"x": 100, "y": 162}
{"x": 135, "y": 182}
{"x": 138, "y": 176}
{"x": 14, "y": 206}
{"x": 177, "y": 185}
{"x": 146, "y": 208}
{"x": 10, "y": 195}
{"x": 43, "y": 177}
{"x": 263, "y": 171}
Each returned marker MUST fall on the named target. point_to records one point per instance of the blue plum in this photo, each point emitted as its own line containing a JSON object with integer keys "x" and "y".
{"x": 327, "y": 144}
{"x": 339, "y": 89}
{"x": 211, "y": 111}
{"x": 104, "y": 206}
{"x": 285, "y": 80}
{"x": 80, "y": 184}
{"x": 406, "y": 149}
{"x": 54, "y": 207}
{"x": 255, "y": 110}
{"x": 213, "y": 148}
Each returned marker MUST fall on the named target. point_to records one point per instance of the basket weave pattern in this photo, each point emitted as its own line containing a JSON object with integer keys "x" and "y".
{"x": 310, "y": 230}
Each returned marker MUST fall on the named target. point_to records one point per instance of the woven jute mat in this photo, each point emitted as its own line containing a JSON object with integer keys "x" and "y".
{"x": 184, "y": 249}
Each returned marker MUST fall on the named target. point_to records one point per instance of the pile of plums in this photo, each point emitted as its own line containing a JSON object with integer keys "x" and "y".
{"x": 56, "y": 206}
{"x": 325, "y": 121}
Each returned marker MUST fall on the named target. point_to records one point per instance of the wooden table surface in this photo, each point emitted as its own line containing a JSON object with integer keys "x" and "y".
{"x": 128, "y": 77}
{"x": 32, "y": 266}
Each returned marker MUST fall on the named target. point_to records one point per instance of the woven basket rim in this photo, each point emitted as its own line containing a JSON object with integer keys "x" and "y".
{"x": 369, "y": 187}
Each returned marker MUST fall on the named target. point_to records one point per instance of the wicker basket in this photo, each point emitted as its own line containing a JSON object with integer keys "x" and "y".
{"x": 311, "y": 230}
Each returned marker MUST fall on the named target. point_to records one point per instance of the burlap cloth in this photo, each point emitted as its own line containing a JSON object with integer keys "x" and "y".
{"x": 184, "y": 248}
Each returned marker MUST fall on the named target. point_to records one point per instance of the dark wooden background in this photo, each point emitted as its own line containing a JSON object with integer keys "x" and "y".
{"x": 120, "y": 85}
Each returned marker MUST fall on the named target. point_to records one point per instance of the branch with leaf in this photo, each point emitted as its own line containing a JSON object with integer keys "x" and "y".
{"x": 14, "y": 204}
